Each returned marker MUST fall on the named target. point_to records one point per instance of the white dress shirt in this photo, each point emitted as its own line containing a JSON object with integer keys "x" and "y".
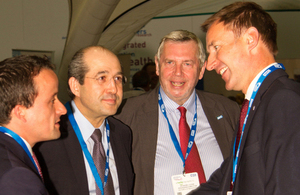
{"x": 87, "y": 129}
{"x": 167, "y": 160}
{"x": 252, "y": 84}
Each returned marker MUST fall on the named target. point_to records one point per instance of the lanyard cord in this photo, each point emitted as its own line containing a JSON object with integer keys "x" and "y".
{"x": 257, "y": 86}
{"x": 85, "y": 150}
{"x": 171, "y": 131}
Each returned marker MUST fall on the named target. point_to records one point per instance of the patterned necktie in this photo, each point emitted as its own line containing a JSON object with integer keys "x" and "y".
{"x": 37, "y": 165}
{"x": 193, "y": 161}
{"x": 99, "y": 158}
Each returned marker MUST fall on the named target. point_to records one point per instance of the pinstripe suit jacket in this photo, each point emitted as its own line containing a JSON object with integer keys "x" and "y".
{"x": 141, "y": 115}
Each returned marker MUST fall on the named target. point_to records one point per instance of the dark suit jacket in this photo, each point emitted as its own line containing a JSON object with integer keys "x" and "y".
{"x": 141, "y": 114}
{"x": 269, "y": 158}
{"x": 63, "y": 164}
{"x": 18, "y": 174}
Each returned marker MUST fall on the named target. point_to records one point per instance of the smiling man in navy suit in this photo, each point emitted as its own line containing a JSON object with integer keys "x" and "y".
{"x": 241, "y": 42}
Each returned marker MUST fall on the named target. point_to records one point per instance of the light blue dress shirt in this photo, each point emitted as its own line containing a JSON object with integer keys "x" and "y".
{"x": 167, "y": 160}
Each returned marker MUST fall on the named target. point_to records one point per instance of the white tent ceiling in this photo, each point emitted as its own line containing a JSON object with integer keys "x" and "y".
{"x": 112, "y": 23}
{"x": 211, "y": 6}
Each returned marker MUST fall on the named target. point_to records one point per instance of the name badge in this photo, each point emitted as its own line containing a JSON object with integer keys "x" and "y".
{"x": 183, "y": 184}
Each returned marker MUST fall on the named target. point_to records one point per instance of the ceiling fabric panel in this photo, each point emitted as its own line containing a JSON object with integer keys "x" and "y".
{"x": 112, "y": 23}
{"x": 120, "y": 31}
{"x": 212, "y": 6}
{"x": 88, "y": 19}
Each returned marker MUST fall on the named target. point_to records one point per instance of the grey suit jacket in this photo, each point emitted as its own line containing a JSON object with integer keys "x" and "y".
{"x": 269, "y": 157}
{"x": 141, "y": 115}
{"x": 18, "y": 174}
{"x": 63, "y": 165}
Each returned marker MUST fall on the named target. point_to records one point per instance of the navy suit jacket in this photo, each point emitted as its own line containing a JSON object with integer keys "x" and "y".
{"x": 63, "y": 165}
{"x": 269, "y": 157}
{"x": 18, "y": 174}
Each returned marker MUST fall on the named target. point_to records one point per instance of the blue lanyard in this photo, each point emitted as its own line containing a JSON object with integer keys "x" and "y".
{"x": 18, "y": 139}
{"x": 257, "y": 86}
{"x": 172, "y": 134}
{"x": 85, "y": 150}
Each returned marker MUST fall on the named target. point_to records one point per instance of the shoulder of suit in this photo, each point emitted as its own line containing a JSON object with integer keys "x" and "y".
{"x": 212, "y": 98}
{"x": 116, "y": 122}
{"x": 146, "y": 98}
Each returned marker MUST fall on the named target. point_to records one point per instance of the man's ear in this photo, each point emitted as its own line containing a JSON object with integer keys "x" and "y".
{"x": 19, "y": 112}
{"x": 252, "y": 37}
{"x": 74, "y": 86}
{"x": 202, "y": 70}
{"x": 157, "y": 65}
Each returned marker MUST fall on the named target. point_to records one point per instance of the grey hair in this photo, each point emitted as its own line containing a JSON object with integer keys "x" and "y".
{"x": 182, "y": 36}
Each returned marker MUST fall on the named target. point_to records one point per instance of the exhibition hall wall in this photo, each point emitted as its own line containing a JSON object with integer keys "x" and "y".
{"x": 144, "y": 44}
{"x": 42, "y": 26}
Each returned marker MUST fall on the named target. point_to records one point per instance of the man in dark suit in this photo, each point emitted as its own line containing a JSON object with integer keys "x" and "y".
{"x": 179, "y": 64}
{"x": 96, "y": 87}
{"x": 30, "y": 113}
{"x": 241, "y": 42}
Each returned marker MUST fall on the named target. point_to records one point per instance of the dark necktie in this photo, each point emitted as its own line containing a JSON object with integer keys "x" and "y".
{"x": 99, "y": 160}
{"x": 193, "y": 161}
{"x": 243, "y": 113}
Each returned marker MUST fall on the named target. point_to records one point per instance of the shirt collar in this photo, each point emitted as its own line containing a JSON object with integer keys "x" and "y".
{"x": 28, "y": 146}
{"x": 25, "y": 142}
{"x": 252, "y": 84}
{"x": 86, "y": 128}
{"x": 172, "y": 106}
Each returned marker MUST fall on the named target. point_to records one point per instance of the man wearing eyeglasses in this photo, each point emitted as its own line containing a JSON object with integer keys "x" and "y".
{"x": 71, "y": 163}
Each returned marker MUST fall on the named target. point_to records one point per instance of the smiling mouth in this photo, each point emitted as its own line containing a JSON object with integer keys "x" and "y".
{"x": 177, "y": 84}
{"x": 110, "y": 101}
{"x": 223, "y": 70}
{"x": 57, "y": 124}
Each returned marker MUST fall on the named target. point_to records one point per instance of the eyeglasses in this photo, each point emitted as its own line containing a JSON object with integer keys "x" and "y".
{"x": 119, "y": 79}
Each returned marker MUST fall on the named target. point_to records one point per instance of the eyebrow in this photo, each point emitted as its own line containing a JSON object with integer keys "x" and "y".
{"x": 106, "y": 72}
{"x": 54, "y": 95}
{"x": 209, "y": 46}
{"x": 102, "y": 72}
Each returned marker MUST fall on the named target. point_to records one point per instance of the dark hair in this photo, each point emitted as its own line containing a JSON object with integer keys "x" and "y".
{"x": 148, "y": 64}
{"x": 16, "y": 82}
{"x": 240, "y": 16}
{"x": 141, "y": 79}
{"x": 77, "y": 69}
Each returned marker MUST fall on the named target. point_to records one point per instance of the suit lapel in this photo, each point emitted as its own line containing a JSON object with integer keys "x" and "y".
{"x": 18, "y": 151}
{"x": 216, "y": 121}
{"x": 262, "y": 90}
{"x": 119, "y": 156}
{"x": 75, "y": 155}
{"x": 147, "y": 117}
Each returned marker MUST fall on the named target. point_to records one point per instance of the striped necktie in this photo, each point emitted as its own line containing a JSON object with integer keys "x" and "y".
{"x": 99, "y": 158}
